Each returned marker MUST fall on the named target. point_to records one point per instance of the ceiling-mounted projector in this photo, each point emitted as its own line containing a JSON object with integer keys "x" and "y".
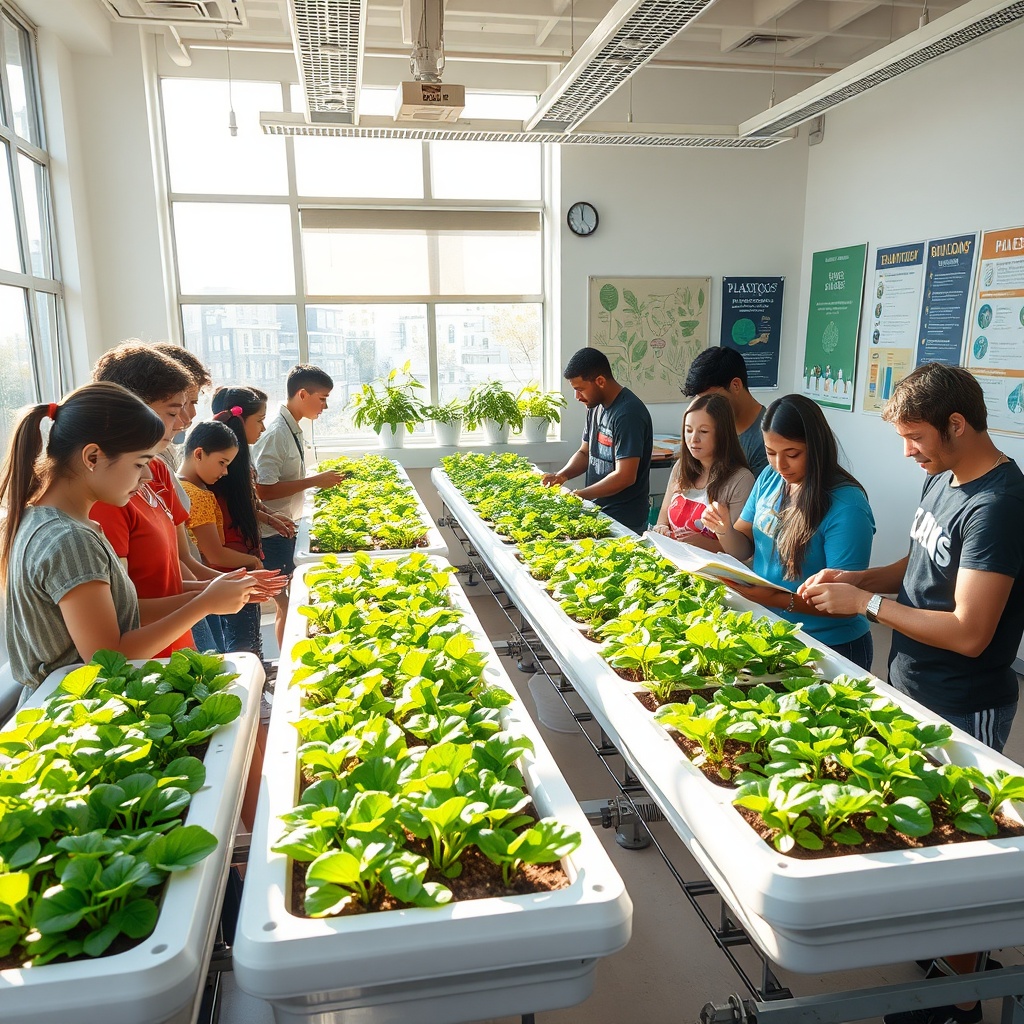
{"x": 429, "y": 101}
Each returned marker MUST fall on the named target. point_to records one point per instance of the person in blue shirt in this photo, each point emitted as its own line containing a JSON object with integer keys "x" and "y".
{"x": 804, "y": 514}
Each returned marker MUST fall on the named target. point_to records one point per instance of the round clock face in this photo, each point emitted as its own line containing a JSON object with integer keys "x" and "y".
{"x": 582, "y": 219}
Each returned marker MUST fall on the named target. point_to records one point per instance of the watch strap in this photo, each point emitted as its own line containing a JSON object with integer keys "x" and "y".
{"x": 874, "y": 604}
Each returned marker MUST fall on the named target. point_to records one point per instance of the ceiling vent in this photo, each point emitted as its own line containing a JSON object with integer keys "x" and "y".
{"x": 212, "y": 13}
{"x": 329, "y": 37}
{"x": 626, "y": 38}
{"x": 765, "y": 42}
{"x": 965, "y": 24}
{"x": 677, "y": 136}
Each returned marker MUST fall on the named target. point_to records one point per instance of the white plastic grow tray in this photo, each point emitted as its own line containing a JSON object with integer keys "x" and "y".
{"x": 818, "y": 915}
{"x": 435, "y": 542}
{"x": 160, "y": 980}
{"x": 465, "y": 961}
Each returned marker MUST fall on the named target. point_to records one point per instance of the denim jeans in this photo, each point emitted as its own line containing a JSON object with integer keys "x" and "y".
{"x": 991, "y": 726}
{"x": 208, "y": 635}
{"x": 242, "y": 631}
{"x": 859, "y": 651}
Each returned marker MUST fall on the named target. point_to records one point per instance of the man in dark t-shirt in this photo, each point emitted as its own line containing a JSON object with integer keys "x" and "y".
{"x": 958, "y": 615}
{"x": 617, "y": 443}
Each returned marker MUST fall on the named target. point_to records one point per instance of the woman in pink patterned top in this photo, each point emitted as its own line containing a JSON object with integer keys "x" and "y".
{"x": 711, "y": 467}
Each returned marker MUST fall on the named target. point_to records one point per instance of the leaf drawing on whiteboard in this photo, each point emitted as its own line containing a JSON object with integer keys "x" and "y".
{"x": 830, "y": 337}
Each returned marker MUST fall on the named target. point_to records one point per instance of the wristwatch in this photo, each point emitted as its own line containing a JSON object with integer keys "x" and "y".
{"x": 874, "y": 604}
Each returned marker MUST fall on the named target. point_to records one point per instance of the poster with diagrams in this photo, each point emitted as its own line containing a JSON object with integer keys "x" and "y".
{"x": 894, "y": 306}
{"x": 995, "y": 351}
{"x": 945, "y": 308}
{"x": 752, "y": 325}
{"x": 651, "y": 329}
{"x": 833, "y": 325}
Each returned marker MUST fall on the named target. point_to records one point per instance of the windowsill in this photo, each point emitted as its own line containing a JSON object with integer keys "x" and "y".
{"x": 426, "y": 454}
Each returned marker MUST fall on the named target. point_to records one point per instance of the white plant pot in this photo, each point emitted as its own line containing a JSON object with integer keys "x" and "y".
{"x": 447, "y": 434}
{"x": 495, "y": 432}
{"x": 392, "y": 438}
{"x": 159, "y": 981}
{"x": 466, "y": 961}
{"x": 535, "y": 429}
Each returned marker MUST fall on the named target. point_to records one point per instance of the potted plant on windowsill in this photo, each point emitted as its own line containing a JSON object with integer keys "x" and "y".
{"x": 447, "y": 422}
{"x": 391, "y": 409}
{"x": 494, "y": 407}
{"x": 539, "y": 409}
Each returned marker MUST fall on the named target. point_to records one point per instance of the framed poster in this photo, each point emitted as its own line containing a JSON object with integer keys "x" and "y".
{"x": 995, "y": 353}
{"x": 833, "y": 325}
{"x": 651, "y": 329}
{"x": 948, "y": 280}
{"x": 895, "y": 306}
{"x": 752, "y": 325}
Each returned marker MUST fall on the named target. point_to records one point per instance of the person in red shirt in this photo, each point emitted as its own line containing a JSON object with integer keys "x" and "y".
{"x": 144, "y": 533}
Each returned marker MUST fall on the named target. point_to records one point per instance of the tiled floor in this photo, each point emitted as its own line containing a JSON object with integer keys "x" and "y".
{"x": 671, "y": 966}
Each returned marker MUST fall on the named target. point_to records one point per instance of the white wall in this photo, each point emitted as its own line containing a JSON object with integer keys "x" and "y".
{"x": 669, "y": 212}
{"x": 936, "y": 152}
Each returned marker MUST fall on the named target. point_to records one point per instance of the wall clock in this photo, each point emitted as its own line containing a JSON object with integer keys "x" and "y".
{"x": 582, "y": 219}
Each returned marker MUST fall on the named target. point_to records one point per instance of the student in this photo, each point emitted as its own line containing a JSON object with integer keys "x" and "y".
{"x": 280, "y": 459}
{"x": 804, "y": 513}
{"x": 68, "y": 594}
{"x": 723, "y": 371}
{"x": 144, "y": 532}
{"x": 617, "y": 443}
{"x": 958, "y": 614}
{"x": 711, "y": 467}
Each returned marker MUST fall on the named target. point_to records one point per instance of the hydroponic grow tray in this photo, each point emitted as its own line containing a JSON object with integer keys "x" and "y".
{"x": 160, "y": 980}
{"x": 465, "y": 961}
{"x": 841, "y": 912}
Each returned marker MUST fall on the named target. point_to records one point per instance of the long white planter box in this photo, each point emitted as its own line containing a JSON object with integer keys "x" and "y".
{"x": 469, "y": 960}
{"x": 160, "y": 980}
{"x": 435, "y": 542}
{"x": 828, "y": 914}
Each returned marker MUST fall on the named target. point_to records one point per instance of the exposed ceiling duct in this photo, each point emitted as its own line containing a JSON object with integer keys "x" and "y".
{"x": 329, "y": 36}
{"x": 596, "y": 134}
{"x": 630, "y": 34}
{"x": 963, "y": 25}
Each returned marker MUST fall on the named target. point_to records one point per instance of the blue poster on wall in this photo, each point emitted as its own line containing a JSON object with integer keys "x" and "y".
{"x": 948, "y": 280}
{"x": 752, "y": 325}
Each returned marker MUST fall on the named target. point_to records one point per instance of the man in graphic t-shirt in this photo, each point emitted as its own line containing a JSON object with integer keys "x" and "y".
{"x": 617, "y": 443}
{"x": 958, "y": 615}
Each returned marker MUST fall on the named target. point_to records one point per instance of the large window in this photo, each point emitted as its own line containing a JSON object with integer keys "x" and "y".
{"x": 358, "y": 255}
{"x": 29, "y": 290}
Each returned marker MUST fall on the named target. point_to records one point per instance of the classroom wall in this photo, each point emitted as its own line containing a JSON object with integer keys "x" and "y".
{"x": 936, "y": 152}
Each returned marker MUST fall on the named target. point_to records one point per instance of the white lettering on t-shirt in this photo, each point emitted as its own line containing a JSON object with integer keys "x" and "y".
{"x": 928, "y": 532}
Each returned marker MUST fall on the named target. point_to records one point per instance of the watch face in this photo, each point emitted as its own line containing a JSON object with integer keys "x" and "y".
{"x": 582, "y": 219}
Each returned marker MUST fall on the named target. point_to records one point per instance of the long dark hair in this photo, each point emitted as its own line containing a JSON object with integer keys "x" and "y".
{"x": 797, "y": 418}
{"x": 104, "y": 414}
{"x": 728, "y": 454}
{"x": 231, "y": 406}
{"x": 211, "y": 436}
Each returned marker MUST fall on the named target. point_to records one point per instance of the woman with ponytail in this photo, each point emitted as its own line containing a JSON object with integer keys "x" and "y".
{"x": 804, "y": 514}
{"x": 68, "y": 594}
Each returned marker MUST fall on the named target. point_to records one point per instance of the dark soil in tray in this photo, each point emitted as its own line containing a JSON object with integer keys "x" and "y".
{"x": 943, "y": 833}
{"x": 480, "y": 879}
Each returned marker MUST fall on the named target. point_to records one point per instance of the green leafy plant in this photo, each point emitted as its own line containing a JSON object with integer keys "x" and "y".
{"x": 546, "y": 405}
{"x": 389, "y": 401}
{"x": 492, "y": 401}
{"x": 448, "y": 412}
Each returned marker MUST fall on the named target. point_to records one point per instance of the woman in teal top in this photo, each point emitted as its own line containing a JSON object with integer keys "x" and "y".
{"x": 804, "y": 514}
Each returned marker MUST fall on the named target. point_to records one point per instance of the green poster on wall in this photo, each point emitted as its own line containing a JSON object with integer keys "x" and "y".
{"x": 833, "y": 325}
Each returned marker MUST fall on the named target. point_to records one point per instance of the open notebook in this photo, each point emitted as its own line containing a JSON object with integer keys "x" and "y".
{"x": 712, "y": 564}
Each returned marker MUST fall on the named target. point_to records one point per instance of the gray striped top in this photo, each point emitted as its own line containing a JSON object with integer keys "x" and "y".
{"x": 52, "y": 554}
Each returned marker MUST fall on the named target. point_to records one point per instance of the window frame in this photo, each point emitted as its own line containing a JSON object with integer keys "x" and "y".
{"x": 50, "y": 368}
{"x": 296, "y": 204}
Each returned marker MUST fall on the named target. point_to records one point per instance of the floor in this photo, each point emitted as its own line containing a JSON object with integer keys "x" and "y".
{"x": 671, "y": 966}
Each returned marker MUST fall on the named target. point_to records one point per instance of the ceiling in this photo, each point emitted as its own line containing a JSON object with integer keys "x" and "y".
{"x": 805, "y": 55}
